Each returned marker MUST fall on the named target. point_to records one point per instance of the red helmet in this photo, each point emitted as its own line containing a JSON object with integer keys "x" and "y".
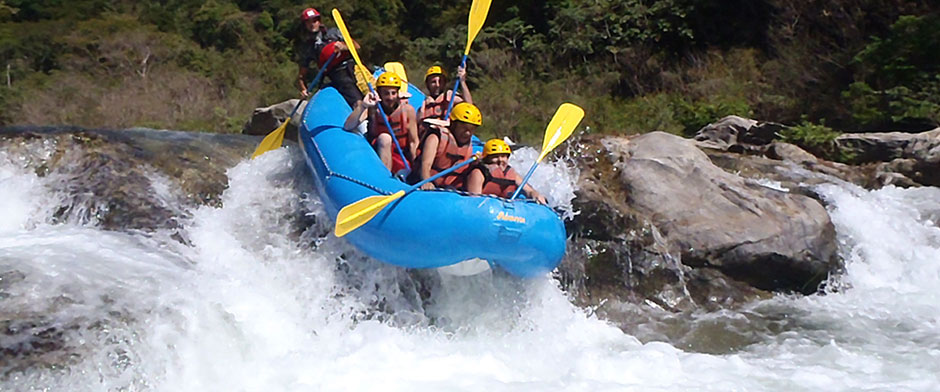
{"x": 308, "y": 14}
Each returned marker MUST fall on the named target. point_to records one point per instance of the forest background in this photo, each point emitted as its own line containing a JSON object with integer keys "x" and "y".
{"x": 635, "y": 65}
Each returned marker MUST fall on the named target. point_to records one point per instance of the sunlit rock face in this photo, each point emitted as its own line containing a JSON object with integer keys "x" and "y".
{"x": 662, "y": 223}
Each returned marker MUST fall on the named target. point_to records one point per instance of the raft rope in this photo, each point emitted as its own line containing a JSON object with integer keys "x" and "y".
{"x": 331, "y": 173}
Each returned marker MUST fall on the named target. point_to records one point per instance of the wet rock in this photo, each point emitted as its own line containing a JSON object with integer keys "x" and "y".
{"x": 914, "y": 156}
{"x": 734, "y": 133}
{"x": 661, "y": 223}
{"x": 266, "y": 119}
{"x": 128, "y": 179}
{"x": 793, "y": 171}
{"x": 790, "y": 152}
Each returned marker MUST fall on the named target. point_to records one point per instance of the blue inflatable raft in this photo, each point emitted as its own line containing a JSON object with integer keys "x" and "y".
{"x": 424, "y": 229}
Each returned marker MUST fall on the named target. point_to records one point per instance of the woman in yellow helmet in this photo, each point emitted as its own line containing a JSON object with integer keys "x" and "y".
{"x": 401, "y": 118}
{"x": 443, "y": 147}
{"x": 494, "y": 176}
{"x": 438, "y": 98}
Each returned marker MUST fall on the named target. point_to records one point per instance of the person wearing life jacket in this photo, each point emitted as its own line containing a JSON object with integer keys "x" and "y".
{"x": 439, "y": 96}
{"x": 401, "y": 117}
{"x": 315, "y": 45}
{"x": 443, "y": 147}
{"x": 494, "y": 176}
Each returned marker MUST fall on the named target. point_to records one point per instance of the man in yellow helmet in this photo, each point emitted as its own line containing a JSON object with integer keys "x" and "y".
{"x": 443, "y": 147}
{"x": 494, "y": 176}
{"x": 401, "y": 118}
{"x": 439, "y": 95}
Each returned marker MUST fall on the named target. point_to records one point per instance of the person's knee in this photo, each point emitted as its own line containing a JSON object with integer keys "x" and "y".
{"x": 383, "y": 141}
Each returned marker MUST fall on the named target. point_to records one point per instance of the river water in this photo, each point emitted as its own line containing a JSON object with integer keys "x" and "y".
{"x": 242, "y": 297}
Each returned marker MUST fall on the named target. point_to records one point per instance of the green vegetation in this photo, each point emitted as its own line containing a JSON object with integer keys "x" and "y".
{"x": 818, "y": 139}
{"x": 898, "y": 77}
{"x": 634, "y": 65}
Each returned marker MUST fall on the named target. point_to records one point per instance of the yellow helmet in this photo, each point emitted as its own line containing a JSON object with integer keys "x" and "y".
{"x": 435, "y": 70}
{"x": 466, "y": 112}
{"x": 388, "y": 79}
{"x": 494, "y": 147}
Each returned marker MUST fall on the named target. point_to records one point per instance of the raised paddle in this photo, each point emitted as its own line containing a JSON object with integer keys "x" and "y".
{"x": 566, "y": 119}
{"x": 274, "y": 139}
{"x": 355, "y": 54}
{"x": 478, "y": 11}
{"x": 357, "y": 214}
{"x": 399, "y": 69}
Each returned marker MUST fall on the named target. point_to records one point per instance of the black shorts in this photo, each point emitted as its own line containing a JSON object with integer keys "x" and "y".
{"x": 344, "y": 81}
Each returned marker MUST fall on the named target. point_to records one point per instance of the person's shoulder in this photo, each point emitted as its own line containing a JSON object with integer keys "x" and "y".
{"x": 434, "y": 131}
{"x": 482, "y": 168}
{"x": 334, "y": 32}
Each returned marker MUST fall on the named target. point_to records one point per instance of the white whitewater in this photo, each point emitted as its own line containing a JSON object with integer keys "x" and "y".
{"x": 250, "y": 304}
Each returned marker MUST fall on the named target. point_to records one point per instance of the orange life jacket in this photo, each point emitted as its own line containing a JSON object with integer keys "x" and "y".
{"x": 397, "y": 119}
{"x": 496, "y": 181}
{"x": 449, "y": 154}
{"x": 435, "y": 107}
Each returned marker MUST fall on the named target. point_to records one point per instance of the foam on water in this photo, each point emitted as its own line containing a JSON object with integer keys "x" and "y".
{"x": 250, "y": 301}
{"x": 20, "y": 192}
{"x": 553, "y": 179}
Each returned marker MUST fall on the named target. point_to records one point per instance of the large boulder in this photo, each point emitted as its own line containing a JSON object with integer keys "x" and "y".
{"x": 659, "y": 209}
{"x": 912, "y": 155}
{"x": 266, "y": 119}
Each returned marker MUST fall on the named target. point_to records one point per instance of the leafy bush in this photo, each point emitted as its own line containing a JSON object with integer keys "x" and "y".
{"x": 817, "y": 139}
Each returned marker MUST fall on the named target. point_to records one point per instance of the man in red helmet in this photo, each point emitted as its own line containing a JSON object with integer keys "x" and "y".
{"x": 316, "y": 44}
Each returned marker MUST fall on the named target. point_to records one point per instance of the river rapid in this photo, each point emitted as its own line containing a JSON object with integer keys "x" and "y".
{"x": 255, "y": 295}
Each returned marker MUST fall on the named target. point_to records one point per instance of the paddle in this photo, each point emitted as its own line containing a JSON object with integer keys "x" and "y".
{"x": 399, "y": 69}
{"x": 478, "y": 11}
{"x": 274, "y": 139}
{"x": 355, "y": 55}
{"x": 357, "y": 214}
{"x": 564, "y": 122}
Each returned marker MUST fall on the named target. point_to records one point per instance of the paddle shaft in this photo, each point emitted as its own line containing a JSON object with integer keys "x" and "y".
{"x": 354, "y": 215}
{"x": 524, "y": 181}
{"x": 378, "y": 106}
{"x": 351, "y": 47}
{"x": 316, "y": 80}
{"x": 441, "y": 174}
{"x": 276, "y": 137}
{"x": 453, "y": 95}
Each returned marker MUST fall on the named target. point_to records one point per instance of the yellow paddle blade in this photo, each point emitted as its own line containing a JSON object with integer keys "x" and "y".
{"x": 398, "y": 69}
{"x": 566, "y": 119}
{"x": 350, "y": 44}
{"x": 362, "y": 211}
{"x": 364, "y": 79}
{"x": 478, "y": 11}
{"x": 273, "y": 141}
